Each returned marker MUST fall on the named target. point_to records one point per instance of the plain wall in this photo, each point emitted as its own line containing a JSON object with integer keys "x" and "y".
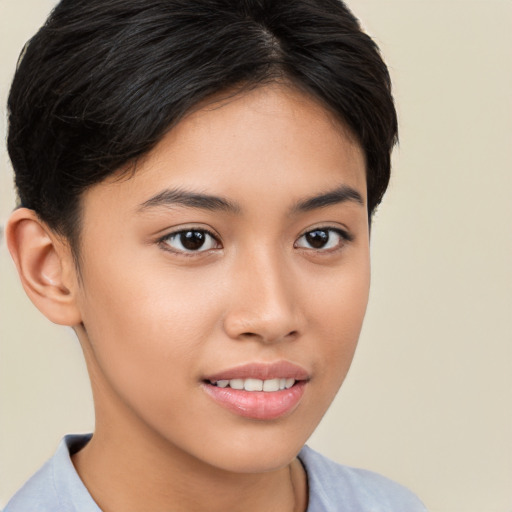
{"x": 428, "y": 401}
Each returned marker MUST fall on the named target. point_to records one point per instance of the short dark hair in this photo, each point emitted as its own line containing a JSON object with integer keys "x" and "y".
{"x": 102, "y": 81}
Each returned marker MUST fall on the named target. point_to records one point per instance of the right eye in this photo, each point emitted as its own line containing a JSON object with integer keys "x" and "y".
{"x": 190, "y": 241}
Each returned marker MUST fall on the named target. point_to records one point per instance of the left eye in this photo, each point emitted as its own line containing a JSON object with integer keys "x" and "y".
{"x": 322, "y": 239}
{"x": 191, "y": 240}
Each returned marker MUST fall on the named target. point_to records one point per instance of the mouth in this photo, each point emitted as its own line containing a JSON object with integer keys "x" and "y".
{"x": 251, "y": 385}
{"x": 259, "y": 391}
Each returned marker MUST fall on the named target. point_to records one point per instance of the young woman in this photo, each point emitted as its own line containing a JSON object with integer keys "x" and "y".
{"x": 196, "y": 183}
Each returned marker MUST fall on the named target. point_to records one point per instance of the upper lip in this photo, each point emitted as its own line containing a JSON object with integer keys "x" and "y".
{"x": 263, "y": 371}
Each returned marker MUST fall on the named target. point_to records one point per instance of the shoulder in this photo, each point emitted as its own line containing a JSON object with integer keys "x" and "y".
{"x": 333, "y": 487}
{"x": 56, "y": 487}
{"x": 37, "y": 493}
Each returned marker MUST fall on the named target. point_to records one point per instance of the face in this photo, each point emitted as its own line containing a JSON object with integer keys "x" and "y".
{"x": 224, "y": 285}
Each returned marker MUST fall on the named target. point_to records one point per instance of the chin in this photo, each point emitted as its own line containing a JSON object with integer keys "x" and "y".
{"x": 256, "y": 459}
{"x": 259, "y": 449}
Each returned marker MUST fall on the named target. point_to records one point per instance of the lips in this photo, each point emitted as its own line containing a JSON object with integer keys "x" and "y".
{"x": 258, "y": 391}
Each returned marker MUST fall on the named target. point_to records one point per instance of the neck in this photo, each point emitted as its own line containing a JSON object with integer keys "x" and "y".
{"x": 121, "y": 475}
{"x": 127, "y": 466}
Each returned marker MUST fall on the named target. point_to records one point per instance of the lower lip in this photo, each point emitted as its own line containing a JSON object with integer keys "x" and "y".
{"x": 258, "y": 405}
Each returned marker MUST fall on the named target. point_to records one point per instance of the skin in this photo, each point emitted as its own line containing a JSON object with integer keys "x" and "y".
{"x": 154, "y": 321}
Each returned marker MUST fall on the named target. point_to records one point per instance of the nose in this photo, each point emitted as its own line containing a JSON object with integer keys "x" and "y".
{"x": 263, "y": 305}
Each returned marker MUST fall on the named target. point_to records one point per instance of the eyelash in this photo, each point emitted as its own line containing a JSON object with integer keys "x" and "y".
{"x": 164, "y": 241}
{"x": 345, "y": 236}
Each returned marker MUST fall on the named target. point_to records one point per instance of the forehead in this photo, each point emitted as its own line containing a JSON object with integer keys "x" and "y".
{"x": 262, "y": 143}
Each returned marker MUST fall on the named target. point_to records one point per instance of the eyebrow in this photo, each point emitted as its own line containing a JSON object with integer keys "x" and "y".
{"x": 169, "y": 198}
{"x": 172, "y": 197}
{"x": 339, "y": 195}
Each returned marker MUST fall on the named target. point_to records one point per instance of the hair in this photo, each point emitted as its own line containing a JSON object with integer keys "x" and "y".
{"x": 103, "y": 81}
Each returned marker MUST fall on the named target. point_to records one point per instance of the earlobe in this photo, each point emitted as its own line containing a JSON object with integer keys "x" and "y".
{"x": 45, "y": 266}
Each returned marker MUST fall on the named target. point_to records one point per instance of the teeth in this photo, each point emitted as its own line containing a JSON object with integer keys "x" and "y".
{"x": 271, "y": 385}
{"x": 289, "y": 383}
{"x": 253, "y": 385}
{"x": 236, "y": 383}
{"x": 268, "y": 385}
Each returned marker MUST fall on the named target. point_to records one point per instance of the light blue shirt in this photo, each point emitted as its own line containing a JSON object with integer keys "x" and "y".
{"x": 56, "y": 487}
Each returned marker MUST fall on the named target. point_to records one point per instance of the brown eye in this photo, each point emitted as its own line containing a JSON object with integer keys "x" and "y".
{"x": 322, "y": 239}
{"x": 191, "y": 240}
{"x": 317, "y": 239}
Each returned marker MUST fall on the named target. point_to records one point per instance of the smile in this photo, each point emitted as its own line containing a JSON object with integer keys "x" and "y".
{"x": 268, "y": 385}
{"x": 259, "y": 391}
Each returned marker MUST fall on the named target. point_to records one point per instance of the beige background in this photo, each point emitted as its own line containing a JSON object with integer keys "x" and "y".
{"x": 428, "y": 401}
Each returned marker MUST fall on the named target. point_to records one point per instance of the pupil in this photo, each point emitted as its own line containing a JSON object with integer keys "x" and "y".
{"x": 192, "y": 240}
{"x": 317, "y": 239}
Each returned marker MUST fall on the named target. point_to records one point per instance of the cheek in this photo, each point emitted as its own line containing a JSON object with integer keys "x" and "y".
{"x": 145, "y": 327}
{"x": 337, "y": 311}
{"x": 339, "y": 298}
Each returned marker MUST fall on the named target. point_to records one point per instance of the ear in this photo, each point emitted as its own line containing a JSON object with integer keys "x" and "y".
{"x": 45, "y": 266}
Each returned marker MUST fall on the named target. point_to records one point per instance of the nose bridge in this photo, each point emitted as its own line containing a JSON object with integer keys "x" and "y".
{"x": 263, "y": 303}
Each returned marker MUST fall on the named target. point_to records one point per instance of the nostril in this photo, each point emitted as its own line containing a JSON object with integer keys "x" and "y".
{"x": 291, "y": 334}
{"x": 266, "y": 326}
